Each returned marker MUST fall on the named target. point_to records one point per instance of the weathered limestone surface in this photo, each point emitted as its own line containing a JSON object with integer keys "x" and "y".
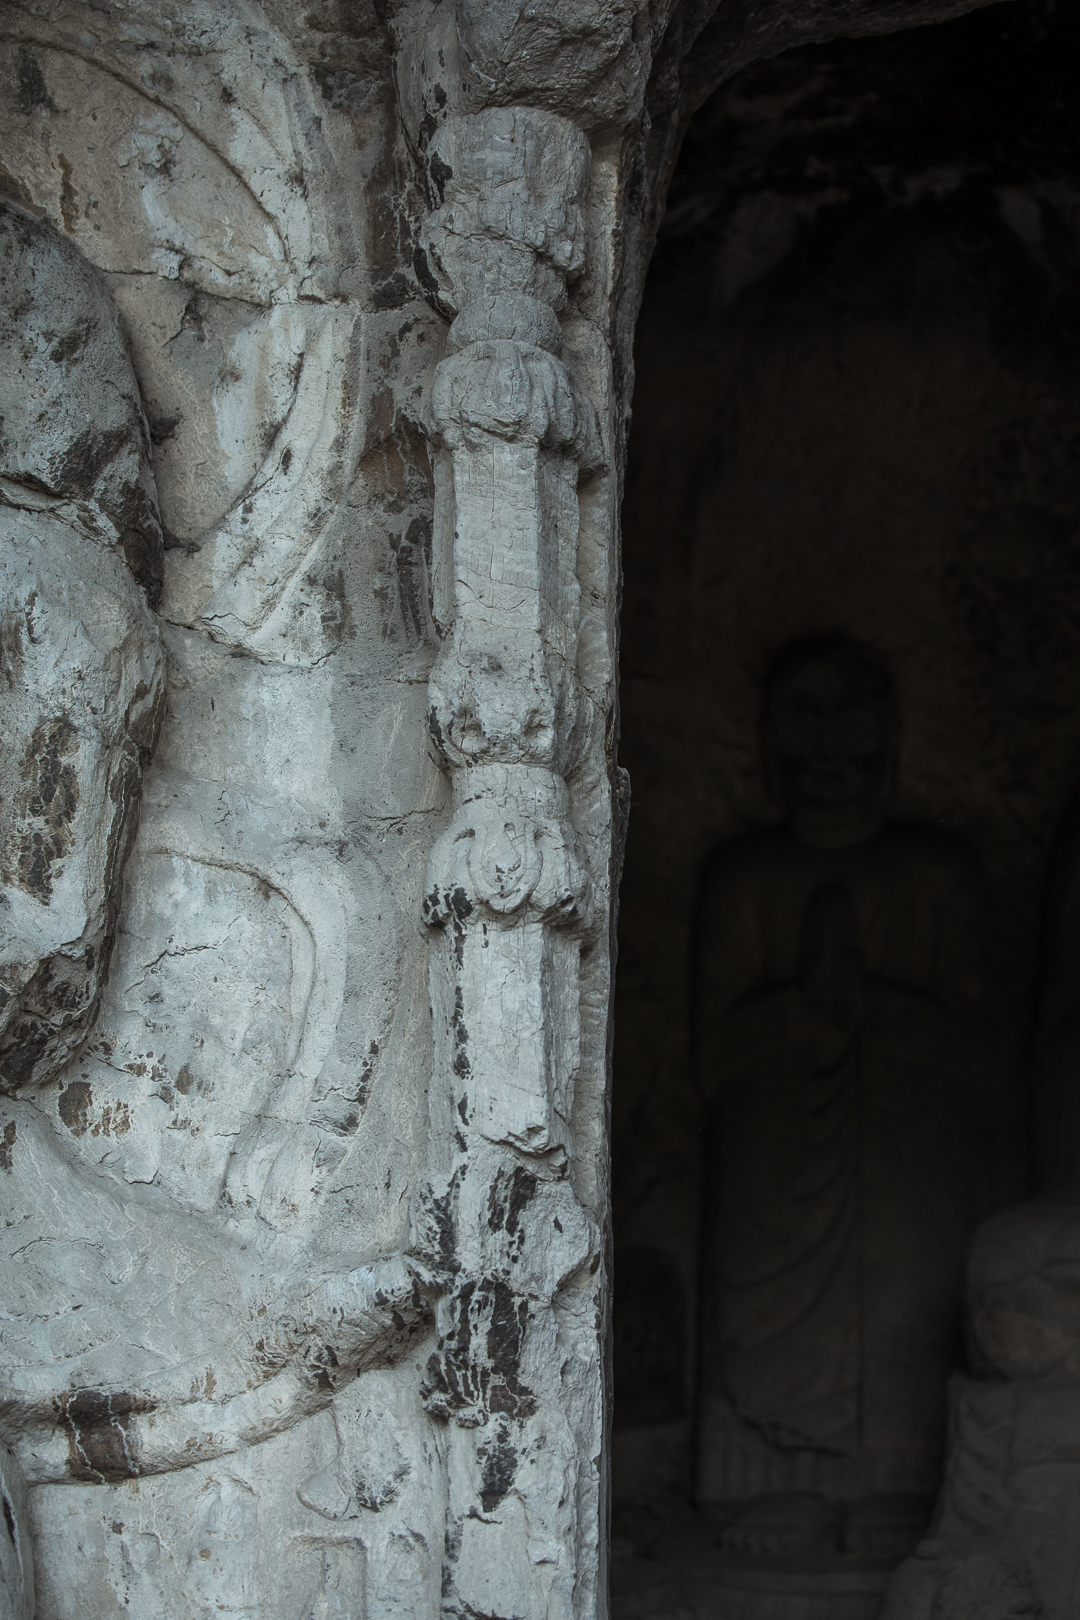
{"x": 302, "y": 1132}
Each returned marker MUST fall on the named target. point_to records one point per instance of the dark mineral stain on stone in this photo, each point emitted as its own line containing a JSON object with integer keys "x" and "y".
{"x": 73, "y": 342}
{"x": 440, "y": 173}
{"x": 141, "y": 539}
{"x": 17, "y": 1068}
{"x": 506, "y": 1204}
{"x": 522, "y": 1192}
{"x": 507, "y": 1324}
{"x": 411, "y": 552}
{"x": 98, "y": 1428}
{"x": 7, "y": 1143}
{"x": 426, "y": 278}
{"x": 500, "y": 1465}
{"x": 86, "y": 459}
{"x": 12, "y": 656}
{"x": 462, "y": 1067}
{"x": 73, "y": 1106}
{"x": 46, "y": 806}
{"x": 33, "y": 91}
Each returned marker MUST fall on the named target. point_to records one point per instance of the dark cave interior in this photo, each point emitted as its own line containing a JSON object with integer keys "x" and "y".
{"x": 856, "y": 443}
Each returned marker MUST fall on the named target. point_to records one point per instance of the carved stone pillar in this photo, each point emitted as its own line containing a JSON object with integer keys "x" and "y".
{"x": 507, "y": 897}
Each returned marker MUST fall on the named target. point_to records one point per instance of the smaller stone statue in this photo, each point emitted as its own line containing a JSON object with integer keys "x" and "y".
{"x": 963, "y": 1578}
{"x": 1013, "y": 1478}
{"x": 836, "y": 1031}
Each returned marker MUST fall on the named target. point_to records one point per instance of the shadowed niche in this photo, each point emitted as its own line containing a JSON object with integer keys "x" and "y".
{"x": 851, "y": 717}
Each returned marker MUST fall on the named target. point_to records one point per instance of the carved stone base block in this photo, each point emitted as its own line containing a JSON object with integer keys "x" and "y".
{"x": 750, "y": 1593}
{"x": 645, "y": 1590}
{"x": 691, "y": 1577}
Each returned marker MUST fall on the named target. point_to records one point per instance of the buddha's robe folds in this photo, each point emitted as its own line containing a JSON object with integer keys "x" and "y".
{"x": 837, "y": 1018}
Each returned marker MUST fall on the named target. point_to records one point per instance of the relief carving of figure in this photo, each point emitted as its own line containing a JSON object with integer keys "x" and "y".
{"x": 82, "y": 683}
{"x": 837, "y": 1015}
{"x": 82, "y": 667}
{"x": 148, "y": 1322}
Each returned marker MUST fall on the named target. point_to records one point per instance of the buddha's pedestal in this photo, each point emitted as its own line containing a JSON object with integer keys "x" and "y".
{"x": 838, "y": 1568}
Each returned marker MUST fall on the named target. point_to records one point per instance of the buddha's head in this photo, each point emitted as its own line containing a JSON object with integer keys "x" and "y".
{"x": 830, "y": 729}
